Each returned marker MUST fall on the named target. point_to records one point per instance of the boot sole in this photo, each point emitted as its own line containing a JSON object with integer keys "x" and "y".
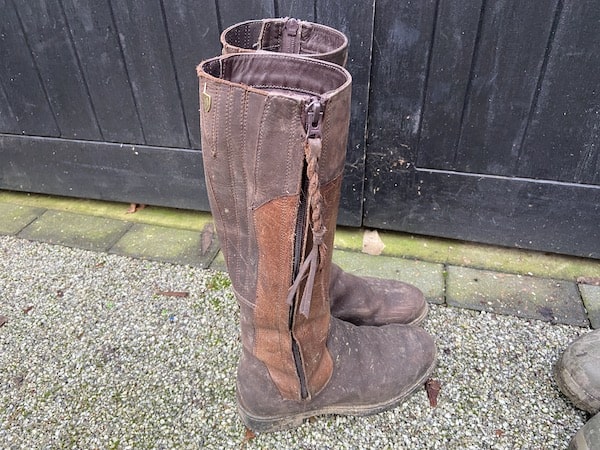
{"x": 279, "y": 423}
{"x": 419, "y": 320}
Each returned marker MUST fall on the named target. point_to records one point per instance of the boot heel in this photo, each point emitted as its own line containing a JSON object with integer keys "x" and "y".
{"x": 267, "y": 425}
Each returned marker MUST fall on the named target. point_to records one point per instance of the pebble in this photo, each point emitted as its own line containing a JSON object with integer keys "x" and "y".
{"x": 92, "y": 355}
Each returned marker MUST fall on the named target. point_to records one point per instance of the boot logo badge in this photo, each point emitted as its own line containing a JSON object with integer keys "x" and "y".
{"x": 206, "y": 99}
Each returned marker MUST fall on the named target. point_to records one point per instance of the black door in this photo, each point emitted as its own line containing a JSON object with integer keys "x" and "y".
{"x": 99, "y": 99}
{"x": 484, "y": 122}
{"x": 473, "y": 120}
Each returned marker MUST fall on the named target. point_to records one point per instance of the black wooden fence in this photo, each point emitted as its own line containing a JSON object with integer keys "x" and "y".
{"x": 474, "y": 120}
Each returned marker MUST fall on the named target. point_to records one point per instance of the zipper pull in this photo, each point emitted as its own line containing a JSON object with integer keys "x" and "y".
{"x": 314, "y": 119}
{"x": 289, "y": 37}
{"x": 291, "y": 27}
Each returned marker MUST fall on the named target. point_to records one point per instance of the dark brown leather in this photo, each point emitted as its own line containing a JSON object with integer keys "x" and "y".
{"x": 375, "y": 301}
{"x": 286, "y": 36}
{"x": 253, "y": 137}
{"x": 360, "y": 300}
{"x": 375, "y": 368}
{"x": 263, "y": 174}
{"x": 577, "y": 372}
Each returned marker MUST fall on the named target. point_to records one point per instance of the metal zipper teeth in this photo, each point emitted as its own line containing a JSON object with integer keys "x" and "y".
{"x": 313, "y": 129}
{"x": 298, "y": 245}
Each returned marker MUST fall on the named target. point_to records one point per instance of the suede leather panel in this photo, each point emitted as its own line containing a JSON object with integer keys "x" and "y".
{"x": 311, "y": 334}
{"x": 274, "y": 224}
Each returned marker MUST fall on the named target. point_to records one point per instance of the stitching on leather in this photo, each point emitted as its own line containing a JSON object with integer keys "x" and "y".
{"x": 246, "y": 38}
{"x": 250, "y": 245}
{"x": 260, "y": 143}
{"x": 326, "y": 142}
{"x": 288, "y": 162}
{"x": 214, "y": 147}
{"x": 284, "y": 88}
{"x": 282, "y": 56}
{"x": 230, "y": 166}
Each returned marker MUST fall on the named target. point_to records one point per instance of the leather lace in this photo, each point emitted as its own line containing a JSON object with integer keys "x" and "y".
{"x": 312, "y": 262}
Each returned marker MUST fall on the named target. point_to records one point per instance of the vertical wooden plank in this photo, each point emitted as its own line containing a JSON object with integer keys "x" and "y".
{"x": 303, "y": 10}
{"x": 232, "y": 11}
{"x": 8, "y": 121}
{"x": 507, "y": 64}
{"x": 57, "y": 62}
{"x": 355, "y": 20}
{"x": 563, "y": 139}
{"x": 145, "y": 44}
{"x": 194, "y": 34}
{"x": 25, "y": 108}
{"x": 400, "y": 54}
{"x": 452, "y": 51}
{"x": 97, "y": 46}
{"x": 401, "y": 45}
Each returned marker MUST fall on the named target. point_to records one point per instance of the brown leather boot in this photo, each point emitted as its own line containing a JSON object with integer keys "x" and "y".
{"x": 286, "y": 35}
{"x": 360, "y": 300}
{"x": 274, "y": 131}
{"x": 577, "y": 372}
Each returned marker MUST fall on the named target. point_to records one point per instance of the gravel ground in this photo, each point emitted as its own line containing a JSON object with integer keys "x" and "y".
{"x": 102, "y": 351}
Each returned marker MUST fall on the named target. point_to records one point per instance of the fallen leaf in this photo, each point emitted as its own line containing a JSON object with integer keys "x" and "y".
{"x": 592, "y": 281}
{"x": 26, "y": 310}
{"x": 432, "y": 387}
{"x": 173, "y": 293}
{"x": 207, "y": 237}
{"x": 372, "y": 243}
{"x": 133, "y": 207}
{"x": 499, "y": 432}
{"x": 3, "y": 320}
{"x": 248, "y": 436}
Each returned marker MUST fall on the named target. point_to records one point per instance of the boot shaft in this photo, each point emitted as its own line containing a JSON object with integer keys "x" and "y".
{"x": 287, "y": 35}
{"x": 253, "y": 114}
{"x": 274, "y": 132}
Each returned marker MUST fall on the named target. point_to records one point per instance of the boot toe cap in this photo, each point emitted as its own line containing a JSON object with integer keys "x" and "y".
{"x": 577, "y": 372}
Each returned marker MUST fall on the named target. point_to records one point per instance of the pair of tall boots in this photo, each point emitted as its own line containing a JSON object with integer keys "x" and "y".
{"x": 315, "y": 340}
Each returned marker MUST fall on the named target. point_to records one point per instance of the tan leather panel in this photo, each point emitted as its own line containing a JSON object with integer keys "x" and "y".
{"x": 311, "y": 334}
{"x": 274, "y": 223}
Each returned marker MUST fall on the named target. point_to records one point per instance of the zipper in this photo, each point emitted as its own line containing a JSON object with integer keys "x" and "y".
{"x": 289, "y": 37}
{"x": 298, "y": 245}
{"x": 314, "y": 117}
